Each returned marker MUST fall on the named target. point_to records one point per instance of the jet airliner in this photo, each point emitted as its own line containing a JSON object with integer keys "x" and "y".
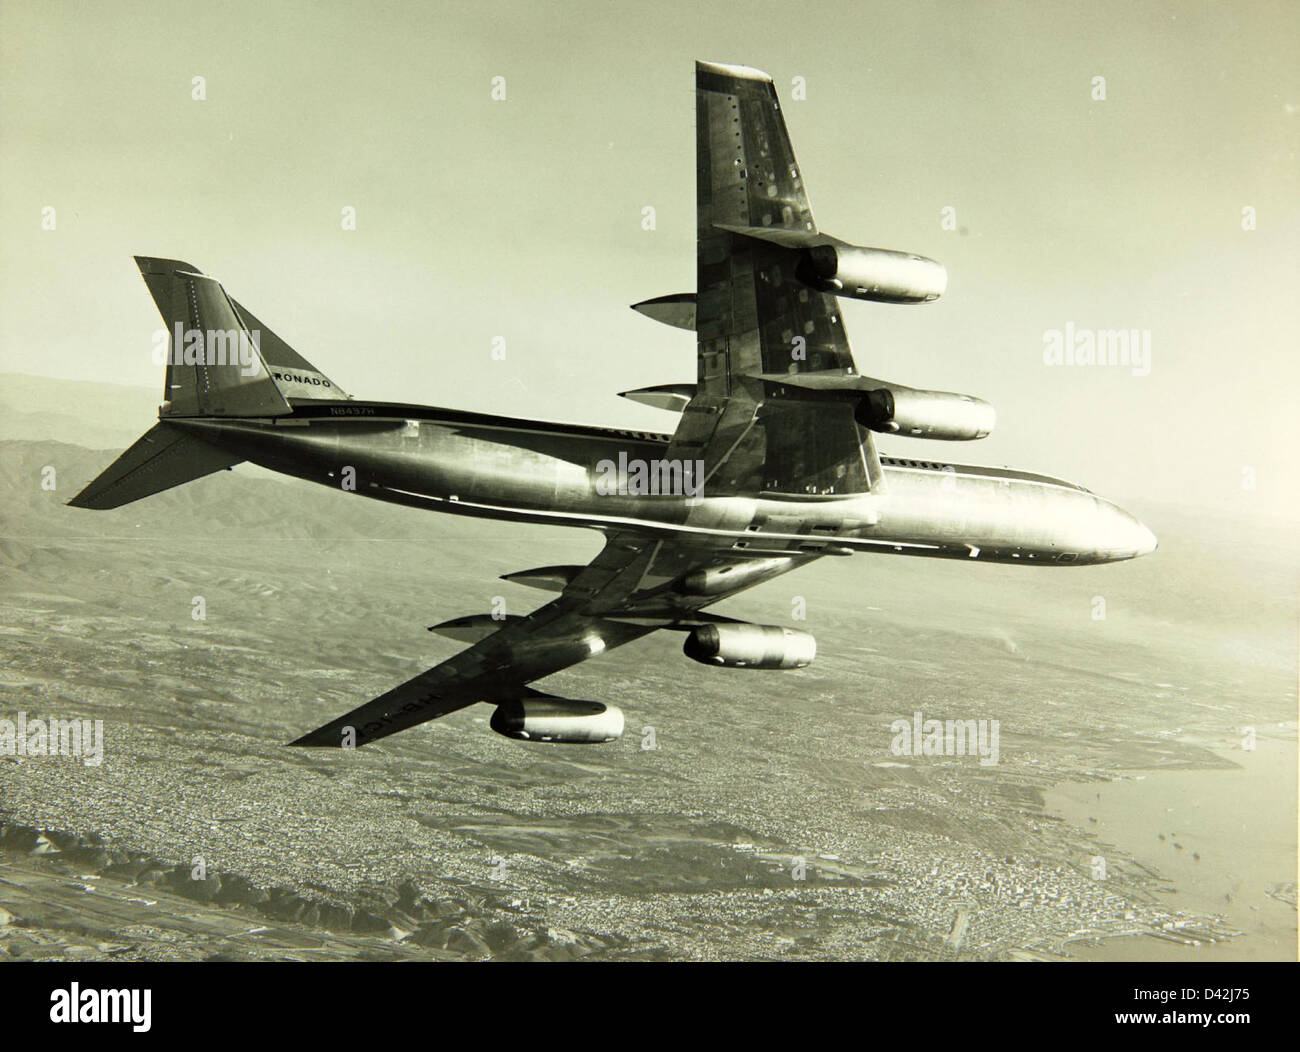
{"x": 772, "y": 464}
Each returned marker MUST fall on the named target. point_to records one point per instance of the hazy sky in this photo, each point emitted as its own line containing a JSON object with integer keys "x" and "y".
{"x": 522, "y": 218}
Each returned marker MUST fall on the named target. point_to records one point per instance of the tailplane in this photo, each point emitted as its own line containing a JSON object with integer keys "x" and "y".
{"x": 161, "y": 458}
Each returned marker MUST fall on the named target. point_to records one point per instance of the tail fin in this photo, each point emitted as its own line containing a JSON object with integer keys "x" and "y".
{"x": 221, "y": 360}
{"x": 213, "y": 368}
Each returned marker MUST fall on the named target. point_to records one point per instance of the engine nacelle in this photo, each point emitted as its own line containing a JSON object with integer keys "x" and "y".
{"x": 559, "y": 720}
{"x": 878, "y": 274}
{"x": 750, "y": 646}
{"x": 925, "y": 414}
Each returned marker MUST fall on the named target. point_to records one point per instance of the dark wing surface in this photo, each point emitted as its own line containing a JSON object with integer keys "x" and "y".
{"x": 755, "y": 321}
{"x": 562, "y": 633}
{"x": 752, "y": 315}
{"x": 629, "y": 590}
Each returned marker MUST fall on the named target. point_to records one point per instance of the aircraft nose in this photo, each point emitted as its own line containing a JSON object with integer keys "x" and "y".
{"x": 1130, "y": 538}
{"x": 1147, "y": 541}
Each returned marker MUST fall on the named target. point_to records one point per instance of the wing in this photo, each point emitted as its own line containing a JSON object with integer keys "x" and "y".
{"x": 627, "y": 591}
{"x": 754, "y": 433}
{"x": 750, "y": 308}
{"x": 754, "y": 318}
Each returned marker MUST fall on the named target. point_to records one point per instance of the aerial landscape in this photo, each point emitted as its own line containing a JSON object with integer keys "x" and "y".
{"x": 953, "y": 615}
{"x": 743, "y": 815}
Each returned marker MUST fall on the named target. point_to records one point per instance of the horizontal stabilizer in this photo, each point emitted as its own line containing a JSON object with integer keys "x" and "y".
{"x": 160, "y": 459}
{"x": 676, "y": 309}
{"x": 673, "y": 397}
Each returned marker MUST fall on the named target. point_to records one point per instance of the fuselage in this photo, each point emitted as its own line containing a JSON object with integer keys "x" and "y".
{"x": 536, "y": 471}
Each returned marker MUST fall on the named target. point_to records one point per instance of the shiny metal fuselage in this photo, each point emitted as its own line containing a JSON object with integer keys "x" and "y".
{"x": 536, "y": 471}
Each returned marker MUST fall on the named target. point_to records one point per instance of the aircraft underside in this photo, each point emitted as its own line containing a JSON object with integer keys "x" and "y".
{"x": 772, "y": 463}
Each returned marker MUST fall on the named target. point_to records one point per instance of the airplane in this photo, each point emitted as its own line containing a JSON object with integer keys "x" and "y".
{"x": 773, "y": 462}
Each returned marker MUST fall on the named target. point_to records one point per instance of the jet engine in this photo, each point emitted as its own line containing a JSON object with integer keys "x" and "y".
{"x": 878, "y": 274}
{"x": 925, "y": 414}
{"x": 750, "y": 646}
{"x": 560, "y": 720}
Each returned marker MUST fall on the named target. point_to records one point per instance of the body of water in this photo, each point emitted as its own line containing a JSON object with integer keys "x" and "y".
{"x": 1223, "y": 838}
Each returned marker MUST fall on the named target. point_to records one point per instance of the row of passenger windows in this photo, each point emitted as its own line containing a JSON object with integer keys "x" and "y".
{"x": 929, "y": 465}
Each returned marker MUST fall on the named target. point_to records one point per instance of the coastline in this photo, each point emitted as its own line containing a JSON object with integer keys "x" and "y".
{"x": 1203, "y": 842}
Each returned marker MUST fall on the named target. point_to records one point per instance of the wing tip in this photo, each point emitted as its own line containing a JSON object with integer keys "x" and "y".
{"x": 308, "y": 741}
{"x": 329, "y": 736}
{"x": 161, "y": 265}
{"x": 725, "y": 69}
